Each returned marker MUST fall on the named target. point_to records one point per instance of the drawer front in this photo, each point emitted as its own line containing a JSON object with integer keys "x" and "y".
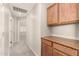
{"x": 47, "y": 42}
{"x": 66, "y": 50}
{"x": 58, "y": 53}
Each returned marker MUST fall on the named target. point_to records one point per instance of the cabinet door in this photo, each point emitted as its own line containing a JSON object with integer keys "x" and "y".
{"x": 52, "y": 14}
{"x": 67, "y": 13}
{"x": 49, "y": 51}
{"x": 58, "y": 53}
{"x": 44, "y": 50}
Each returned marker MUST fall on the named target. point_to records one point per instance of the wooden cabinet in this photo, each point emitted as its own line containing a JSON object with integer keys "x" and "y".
{"x": 58, "y": 53}
{"x": 65, "y": 50}
{"x": 63, "y": 13}
{"x": 46, "y": 48}
{"x": 67, "y": 13}
{"x": 59, "y": 47}
{"x": 52, "y": 14}
{"x": 49, "y": 51}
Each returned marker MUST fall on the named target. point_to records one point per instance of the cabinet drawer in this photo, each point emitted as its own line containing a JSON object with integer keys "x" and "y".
{"x": 47, "y": 42}
{"x": 58, "y": 53}
{"x": 65, "y": 49}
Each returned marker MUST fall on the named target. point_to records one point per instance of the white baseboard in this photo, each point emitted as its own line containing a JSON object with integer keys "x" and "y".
{"x": 32, "y": 50}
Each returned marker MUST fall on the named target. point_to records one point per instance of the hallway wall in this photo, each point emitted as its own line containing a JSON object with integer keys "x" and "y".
{"x": 1, "y": 29}
{"x": 4, "y": 29}
{"x": 33, "y": 29}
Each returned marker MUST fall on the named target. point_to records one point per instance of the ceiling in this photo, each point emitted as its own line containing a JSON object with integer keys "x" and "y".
{"x": 26, "y": 6}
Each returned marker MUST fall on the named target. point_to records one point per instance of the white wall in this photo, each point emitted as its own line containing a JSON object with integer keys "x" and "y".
{"x": 33, "y": 29}
{"x": 1, "y": 29}
{"x": 68, "y": 31}
{"x": 7, "y": 15}
{"x": 45, "y": 30}
{"x": 37, "y": 30}
{"x": 4, "y": 32}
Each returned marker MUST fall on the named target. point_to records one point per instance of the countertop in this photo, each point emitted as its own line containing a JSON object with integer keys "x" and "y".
{"x": 64, "y": 41}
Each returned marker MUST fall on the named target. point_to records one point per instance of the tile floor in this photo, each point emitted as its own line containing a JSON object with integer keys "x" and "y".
{"x": 21, "y": 49}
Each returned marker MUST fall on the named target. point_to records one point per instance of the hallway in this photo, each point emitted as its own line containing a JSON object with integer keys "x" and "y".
{"x": 20, "y": 29}
{"x": 21, "y": 49}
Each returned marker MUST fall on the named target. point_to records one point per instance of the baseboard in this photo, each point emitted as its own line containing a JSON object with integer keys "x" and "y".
{"x": 32, "y": 50}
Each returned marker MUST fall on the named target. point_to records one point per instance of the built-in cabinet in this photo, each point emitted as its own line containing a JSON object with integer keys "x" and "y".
{"x": 67, "y": 13}
{"x": 46, "y": 48}
{"x": 55, "y": 46}
{"x": 63, "y": 13}
{"x": 52, "y": 14}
